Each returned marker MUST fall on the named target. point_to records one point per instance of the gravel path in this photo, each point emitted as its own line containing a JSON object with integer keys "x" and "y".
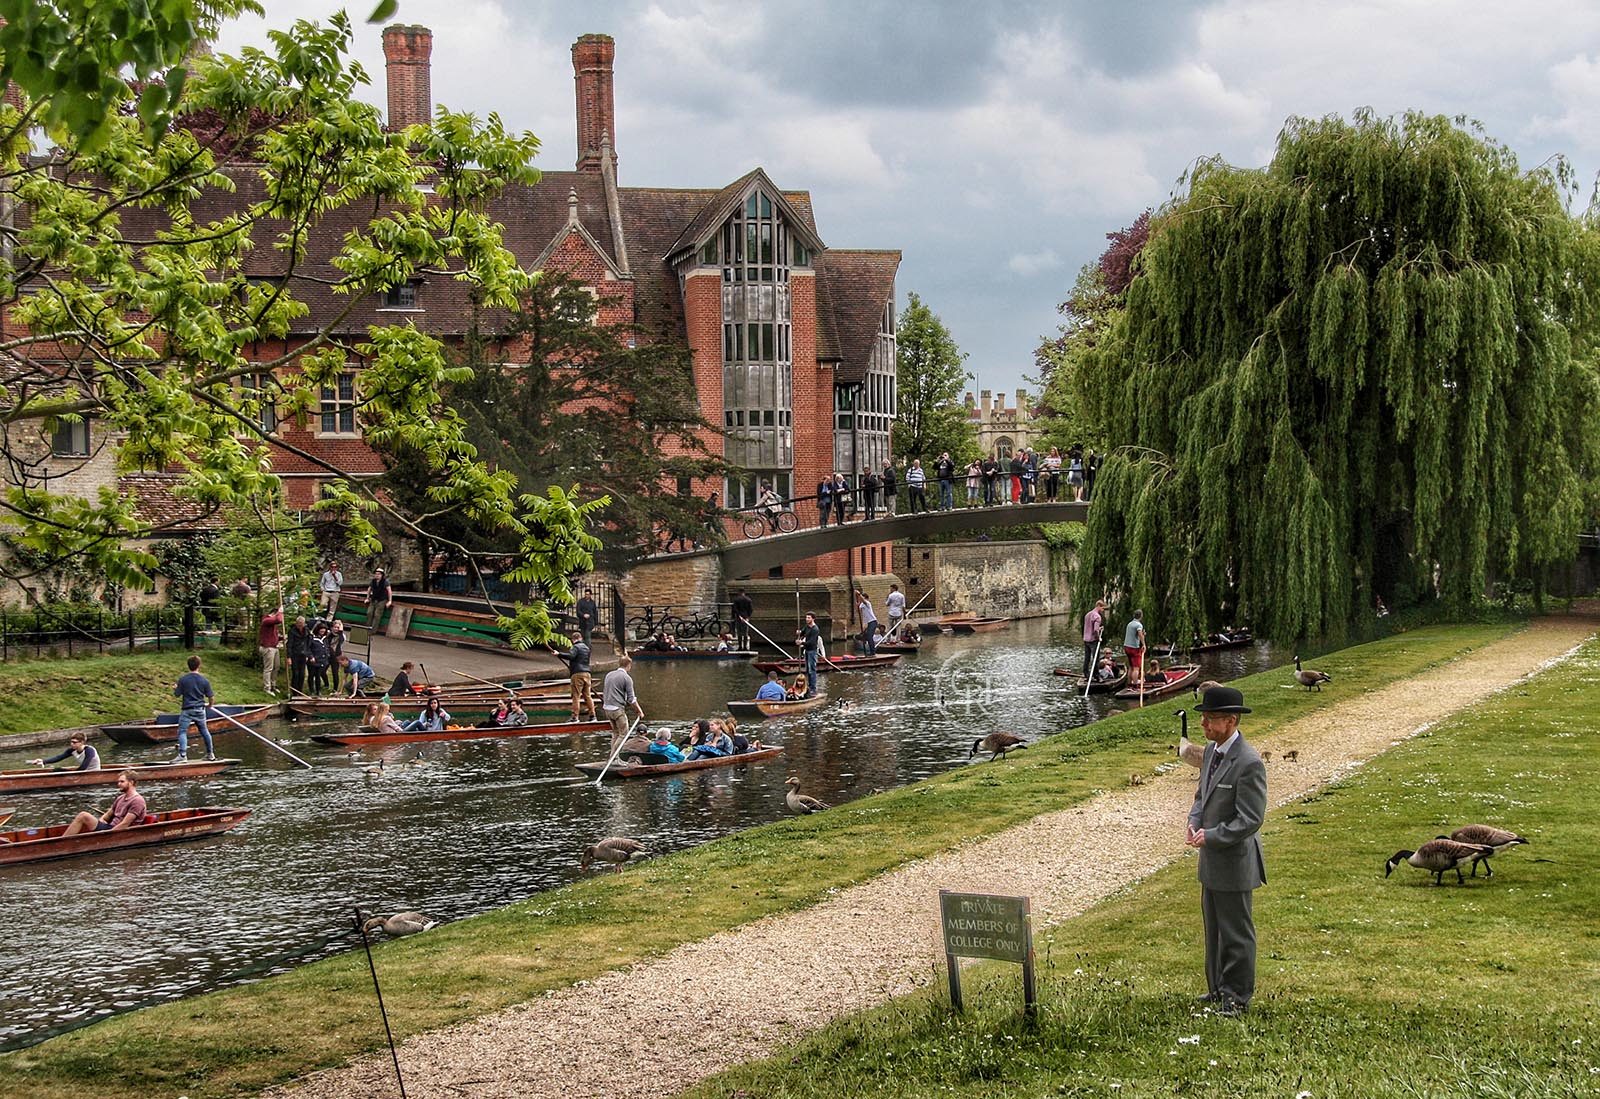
{"x": 785, "y": 975}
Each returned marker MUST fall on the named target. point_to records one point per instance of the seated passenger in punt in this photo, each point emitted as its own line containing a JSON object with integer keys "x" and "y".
{"x": 79, "y": 750}
{"x": 771, "y": 690}
{"x": 1153, "y": 675}
{"x": 127, "y": 811}
{"x": 716, "y": 744}
{"x": 1108, "y": 670}
{"x": 662, "y": 748}
{"x": 380, "y": 718}
{"x": 516, "y": 716}
{"x": 432, "y": 719}
{"x": 724, "y": 644}
{"x": 698, "y": 733}
{"x": 498, "y": 719}
{"x": 797, "y": 689}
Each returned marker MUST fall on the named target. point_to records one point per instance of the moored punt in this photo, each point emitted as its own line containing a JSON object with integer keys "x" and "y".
{"x": 693, "y": 654}
{"x": 762, "y": 708}
{"x": 622, "y": 769}
{"x": 1178, "y": 678}
{"x": 7, "y": 812}
{"x": 463, "y": 732}
{"x": 51, "y": 779}
{"x": 474, "y": 706}
{"x": 977, "y": 625}
{"x": 39, "y": 844}
{"x": 831, "y": 663}
{"x": 164, "y": 727}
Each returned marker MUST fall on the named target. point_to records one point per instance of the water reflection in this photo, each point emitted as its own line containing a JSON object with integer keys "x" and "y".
{"x": 474, "y": 824}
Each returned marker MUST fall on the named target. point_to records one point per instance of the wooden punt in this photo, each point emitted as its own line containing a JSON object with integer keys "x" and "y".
{"x": 694, "y": 654}
{"x": 760, "y": 708}
{"x": 7, "y": 812}
{"x": 39, "y": 844}
{"x": 1099, "y": 687}
{"x": 372, "y": 736}
{"x": 831, "y": 664}
{"x": 624, "y": 769}
{"x": 909, "y": 647}
{"x": 51, "y": 779}
{"x": 1179, "y": 677}
{"x": 474, "y": 706}
{"x": 164, "y": 727}
{"x": 978, "y": 625}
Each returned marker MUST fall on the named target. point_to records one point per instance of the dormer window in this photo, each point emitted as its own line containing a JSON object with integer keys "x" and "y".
{"x": 402, "y": 296}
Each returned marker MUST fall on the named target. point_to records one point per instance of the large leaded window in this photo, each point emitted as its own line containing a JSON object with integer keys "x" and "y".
{"x": 755, "y": 251}
{"x": 863, "y": 414}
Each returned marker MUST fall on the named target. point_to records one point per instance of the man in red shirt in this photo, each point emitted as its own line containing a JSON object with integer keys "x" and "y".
{"x": 125, "y": 812}
{"x": 267, "y": 642}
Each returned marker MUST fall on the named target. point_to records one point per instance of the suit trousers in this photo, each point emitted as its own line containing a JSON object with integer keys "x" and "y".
{"x": 1230, "y": 944}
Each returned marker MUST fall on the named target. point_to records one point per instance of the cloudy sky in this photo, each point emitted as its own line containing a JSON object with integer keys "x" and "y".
{"x": 994, "y": 144}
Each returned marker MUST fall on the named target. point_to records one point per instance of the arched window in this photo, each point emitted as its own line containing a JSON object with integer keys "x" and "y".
{"x": 1004, "y": 446}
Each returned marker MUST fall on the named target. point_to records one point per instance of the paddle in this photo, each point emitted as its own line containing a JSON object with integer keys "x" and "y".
{"x": 485, "y": 682}
{"x": 270, "y": 744}
{"x": 616, "y": 751}
{"x": 1088, "y": 673}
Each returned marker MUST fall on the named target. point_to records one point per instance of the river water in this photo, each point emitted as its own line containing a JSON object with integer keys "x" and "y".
{"x": 474, "y": 825}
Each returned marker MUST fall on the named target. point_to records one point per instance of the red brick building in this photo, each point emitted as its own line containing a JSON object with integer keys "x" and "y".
{"x": 792, "y": 342}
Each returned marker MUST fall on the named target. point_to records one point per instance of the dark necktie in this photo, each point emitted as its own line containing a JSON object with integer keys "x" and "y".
{"x": 1216, "y": 761}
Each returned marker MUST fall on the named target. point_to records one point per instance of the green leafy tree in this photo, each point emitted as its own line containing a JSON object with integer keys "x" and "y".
{"x": 149, "y": 332}
{"x": 1367, "y": 369}
{"x": 557, "y": 399}
{"x": 929, "y": 381}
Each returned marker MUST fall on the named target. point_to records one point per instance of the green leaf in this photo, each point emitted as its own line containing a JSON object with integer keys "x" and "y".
{"x": 384, "y": 11}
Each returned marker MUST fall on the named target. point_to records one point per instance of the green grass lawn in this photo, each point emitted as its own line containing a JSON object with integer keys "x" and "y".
{"x": 63, "y": 693}
{"x": 239, "y": 1040}
{"x": 1366, "y": 986}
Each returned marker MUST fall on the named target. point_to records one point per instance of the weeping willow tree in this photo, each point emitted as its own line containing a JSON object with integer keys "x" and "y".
{"x": 1366, "y": 370}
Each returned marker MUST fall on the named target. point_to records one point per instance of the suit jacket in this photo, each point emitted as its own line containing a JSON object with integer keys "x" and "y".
{"x": 1230, "y": 807}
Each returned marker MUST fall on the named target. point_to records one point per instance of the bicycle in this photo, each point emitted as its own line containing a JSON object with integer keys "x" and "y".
{"x": 699, "y": 624}
{"x": 764, "y": 523}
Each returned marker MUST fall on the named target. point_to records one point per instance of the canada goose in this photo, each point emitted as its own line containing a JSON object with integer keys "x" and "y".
{"x": 613, "y": 849}
{"x": 1438, "y": 856}
{"x": 801, "y": 803}
{"x": 844, "y": 704}
{"x": 1292, "y": 756}
{"x": 1486, "y": 835}
{"x": 1135, "y": 779}
{"x": 998, "y": 744}
{"x": 401, "y": 923}
{"x": 1309, "y": 677}
{"x": 378, "y": 770}
{"x": 1188, "y": 751}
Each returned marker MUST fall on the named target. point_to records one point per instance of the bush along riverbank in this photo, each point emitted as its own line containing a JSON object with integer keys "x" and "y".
{"x": 238, "y": 1040}
{"x": 1366, "y": 985}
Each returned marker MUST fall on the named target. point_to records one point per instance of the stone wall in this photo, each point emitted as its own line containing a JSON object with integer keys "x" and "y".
{"x": 690, "y": 580}
{"x": 1004, "y": 579}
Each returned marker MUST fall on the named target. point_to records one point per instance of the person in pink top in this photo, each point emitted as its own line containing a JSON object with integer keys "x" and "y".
{"x": 1094, "y": 625}
{"x": 127, "y": 811}
{"x": 267, "y": 642}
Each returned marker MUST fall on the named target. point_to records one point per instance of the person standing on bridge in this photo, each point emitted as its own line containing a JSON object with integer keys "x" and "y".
{"x": 824, "y": 500}
{"x": 991, "y": 474}
{"x": 1075, "y": 476}
{"x": 869, "y": 491}
{"x": 842, "y": 503}
{"x": 1014, "y": 467}
{"x": 945, "y": 467}
{"x": 916, "y": 487}
{"x": 617, "y": 697}
{"x": 974, "y": 479}
{"x": 891, "y": 488}
{"x": 743, "y": 610}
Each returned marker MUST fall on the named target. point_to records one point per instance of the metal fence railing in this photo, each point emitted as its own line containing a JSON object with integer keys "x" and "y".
{"x": 35, "y": 633}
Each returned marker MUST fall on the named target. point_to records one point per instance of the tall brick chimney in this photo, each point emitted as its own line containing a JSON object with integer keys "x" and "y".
{"x": 597, "y": 117}
{"x": 407, "y": 50}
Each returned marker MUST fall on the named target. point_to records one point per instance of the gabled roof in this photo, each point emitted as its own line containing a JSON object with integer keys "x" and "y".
{"x": 574, "y": 225}
{"x": 853, "y": 289}
{"x": 727, "y": 200}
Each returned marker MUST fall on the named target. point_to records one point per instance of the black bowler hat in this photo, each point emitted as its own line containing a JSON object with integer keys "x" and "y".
{"x": 1222, "y": 700}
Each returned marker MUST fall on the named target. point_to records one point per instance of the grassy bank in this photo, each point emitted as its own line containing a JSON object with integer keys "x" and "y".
{"x": 236, "y": 1041}
{"x": 1367, "y": 986}
{"x": 63, "y": 693}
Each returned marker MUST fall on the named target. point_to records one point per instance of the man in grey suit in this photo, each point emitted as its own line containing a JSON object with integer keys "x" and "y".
{"x": 1224, "y": 822}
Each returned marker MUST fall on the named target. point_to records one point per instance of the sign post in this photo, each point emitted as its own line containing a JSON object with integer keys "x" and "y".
{"x": 983, "y": 925}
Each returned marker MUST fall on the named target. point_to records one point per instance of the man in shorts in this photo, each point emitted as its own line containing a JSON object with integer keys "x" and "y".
{"x": 1133, "y": 644}
{"x": 127, "y": 811}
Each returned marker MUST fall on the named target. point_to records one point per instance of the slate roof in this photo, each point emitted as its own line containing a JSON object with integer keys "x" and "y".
{"x": 154, "y": 503}
{"x": 853, "y": 289}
